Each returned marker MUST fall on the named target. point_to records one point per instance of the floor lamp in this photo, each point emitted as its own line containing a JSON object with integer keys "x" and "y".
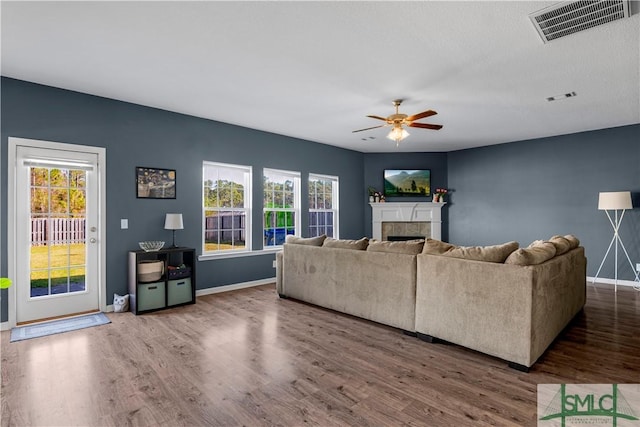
{"x": 615, "y": 201}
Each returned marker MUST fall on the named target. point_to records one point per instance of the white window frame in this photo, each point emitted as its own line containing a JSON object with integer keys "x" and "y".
{"x": 335, "y": 194}
{"x": 248, "y": 177}
{"x": 295, "y": 177}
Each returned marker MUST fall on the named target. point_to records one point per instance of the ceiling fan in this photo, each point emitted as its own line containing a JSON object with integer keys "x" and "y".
{"x": 397, "y": 120}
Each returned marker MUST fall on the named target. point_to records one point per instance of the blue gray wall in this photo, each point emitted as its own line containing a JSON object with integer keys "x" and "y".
{"x": 521, "y": 191}
{"x": 534, "y": 189}
{"x": 133, "y": 136}
{"x": 375, "y": 164}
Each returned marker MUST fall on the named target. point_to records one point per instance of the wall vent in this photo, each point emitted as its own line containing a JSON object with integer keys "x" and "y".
{"x": 570, "y": 17}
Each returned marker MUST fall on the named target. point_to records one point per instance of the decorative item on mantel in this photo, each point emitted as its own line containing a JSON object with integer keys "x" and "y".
{"x": 438, "y": 195}
{"x": 375, "y": 196}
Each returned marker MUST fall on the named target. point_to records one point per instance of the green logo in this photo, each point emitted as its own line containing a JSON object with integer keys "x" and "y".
{"x": 601, "y": 404}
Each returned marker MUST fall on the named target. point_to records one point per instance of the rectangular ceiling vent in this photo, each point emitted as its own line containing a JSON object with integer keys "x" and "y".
{"x": 570, "y": 17}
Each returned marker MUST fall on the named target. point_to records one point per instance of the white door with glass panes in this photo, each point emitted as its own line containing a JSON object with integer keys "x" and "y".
{"x": 56, "y": 235}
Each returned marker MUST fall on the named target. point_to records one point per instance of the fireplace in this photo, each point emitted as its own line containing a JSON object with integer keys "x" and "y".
{"x": 397, "y": 229}
{"x": 402, "y": 238}
{"x": 406, "y": 219}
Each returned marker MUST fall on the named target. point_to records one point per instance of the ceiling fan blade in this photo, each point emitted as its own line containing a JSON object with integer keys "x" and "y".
{"x": 425, "y": 126}
{"x": 375, "y": 127}
{"x": 422, "y": 115}
{"x": 378, "y": 117}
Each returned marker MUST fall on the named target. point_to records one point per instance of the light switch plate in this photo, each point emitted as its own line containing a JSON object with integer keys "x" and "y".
{"x": 124, "y": 223}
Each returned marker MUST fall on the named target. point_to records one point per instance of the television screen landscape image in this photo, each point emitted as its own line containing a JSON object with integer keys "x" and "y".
{"x": 407, "y": 182}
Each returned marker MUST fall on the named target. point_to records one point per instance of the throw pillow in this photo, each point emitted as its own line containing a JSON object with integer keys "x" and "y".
{"x": 359, "y": 245}
{"x": 573, "y": 240}
{"x": 308, "y": 241}
{"x": 436, "y": 247}
{"x": 409, "y": 247}
{"x": 536, "y": 254}
{"x": 495, "y": 253}
{"x": 562, "y": 244}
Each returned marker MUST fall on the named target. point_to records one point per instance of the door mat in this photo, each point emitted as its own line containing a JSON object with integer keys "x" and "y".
{"x": 58, "y": 326}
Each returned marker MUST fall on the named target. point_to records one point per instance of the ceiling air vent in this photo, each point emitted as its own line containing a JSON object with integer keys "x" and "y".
{"x": 570, "y": 17}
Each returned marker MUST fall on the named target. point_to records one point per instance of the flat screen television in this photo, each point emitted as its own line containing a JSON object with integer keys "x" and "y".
{"x": 407, "y": 182}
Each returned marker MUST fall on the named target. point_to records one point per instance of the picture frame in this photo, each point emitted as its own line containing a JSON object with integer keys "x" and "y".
{"x": 407, "y": 182}
{"x": 155, "y": 183}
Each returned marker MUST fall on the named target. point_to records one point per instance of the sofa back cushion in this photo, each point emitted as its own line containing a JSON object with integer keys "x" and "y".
{"x": 495, "y": 253}
{"x": 359, "y": 245}
{"x": 436, "y": 247}
{"x": 573, "y": 240}
{"x": 561, "y": 243}
{"x": 409, "y": 247}
{"x": 536, "y": 253}
{"x": 308, "y": 241}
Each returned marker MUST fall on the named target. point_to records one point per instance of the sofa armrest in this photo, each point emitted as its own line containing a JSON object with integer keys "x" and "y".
{"x": 279, "y": 269}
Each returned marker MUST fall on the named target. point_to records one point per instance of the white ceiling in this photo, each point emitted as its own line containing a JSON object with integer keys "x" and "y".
{"x": 314, "y": 70}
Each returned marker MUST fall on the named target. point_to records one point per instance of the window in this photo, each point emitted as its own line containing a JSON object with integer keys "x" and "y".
{"x": 281, "y": 206}
{"x": 323, "y": 205}
{"x": 226, "y": 208}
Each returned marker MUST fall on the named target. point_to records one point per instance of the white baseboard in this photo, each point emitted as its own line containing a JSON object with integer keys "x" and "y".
{"x": 4, "y": 326}
{"x": 235, "y": 286}
{"x": 631, "y": 283}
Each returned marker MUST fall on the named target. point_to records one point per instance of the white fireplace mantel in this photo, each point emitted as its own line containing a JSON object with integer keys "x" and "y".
{"x": 407, "y": 212}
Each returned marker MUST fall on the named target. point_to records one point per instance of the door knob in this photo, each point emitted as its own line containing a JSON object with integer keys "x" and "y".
{"x": 92, "y": 240}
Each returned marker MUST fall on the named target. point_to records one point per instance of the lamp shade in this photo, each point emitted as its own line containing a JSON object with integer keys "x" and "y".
{"x": 397, "y": 134}
{"x": 614, "y": 200}
{"x": 173, "y": 221}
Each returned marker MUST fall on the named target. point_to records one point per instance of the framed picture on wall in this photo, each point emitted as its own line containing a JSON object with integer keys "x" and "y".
{"x": 155, "y": 183}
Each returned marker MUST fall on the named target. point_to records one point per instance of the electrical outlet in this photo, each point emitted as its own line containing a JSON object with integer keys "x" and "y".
{"x": 638, "y": 266}
{"x": 274, "y": 263}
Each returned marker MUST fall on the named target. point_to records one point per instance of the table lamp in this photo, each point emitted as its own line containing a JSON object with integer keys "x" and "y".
{"x": 173, "y": 221}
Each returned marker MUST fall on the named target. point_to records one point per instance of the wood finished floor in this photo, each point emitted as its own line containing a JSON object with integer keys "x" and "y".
{"x": 249, "y": 358}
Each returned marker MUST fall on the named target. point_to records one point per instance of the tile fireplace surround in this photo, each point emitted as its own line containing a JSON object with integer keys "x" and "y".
{"x": 406, "y": 219}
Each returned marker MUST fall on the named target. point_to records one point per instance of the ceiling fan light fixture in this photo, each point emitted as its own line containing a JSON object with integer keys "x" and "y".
{"x": 397, "y": 134}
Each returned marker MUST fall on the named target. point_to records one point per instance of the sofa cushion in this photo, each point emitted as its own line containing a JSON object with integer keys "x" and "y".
{"x": 573, "y": 240}
{"x": 537, "y": 253}
{"x": 495, "y": 253}
{"x": 359, "y": 245}
{"x": 409, "y": 247}
{"x": 561, "y": 243}
{"x": 436, "y": 247}
{"x": 309, "y": 241}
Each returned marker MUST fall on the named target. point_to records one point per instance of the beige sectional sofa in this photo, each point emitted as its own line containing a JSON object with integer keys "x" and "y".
{"x": 352, "y": 279}
{"x": 502, "y": 300}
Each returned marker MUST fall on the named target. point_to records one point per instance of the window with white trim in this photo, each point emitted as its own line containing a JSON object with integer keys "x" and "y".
{"x": 226, "y": 213}
{"x": 323, "y": 205}
{"x": 281, "y": 206}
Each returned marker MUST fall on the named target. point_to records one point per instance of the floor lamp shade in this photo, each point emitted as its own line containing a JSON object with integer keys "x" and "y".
{"x": 614, "y": 200}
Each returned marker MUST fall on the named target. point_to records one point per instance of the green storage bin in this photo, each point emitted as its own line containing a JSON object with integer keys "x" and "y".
{"x": 151, "y": 296}
{"x": 179, "y": 291}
